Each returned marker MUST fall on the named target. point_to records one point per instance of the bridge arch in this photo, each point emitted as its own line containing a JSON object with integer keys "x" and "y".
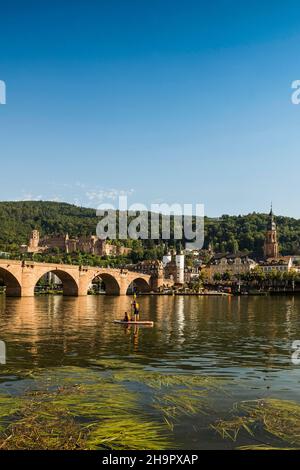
{"x": 112, "y": 286}
{"x": 69, "y": 284}
{"x": 13, "y": 286}
{"x": 138, "y": 285}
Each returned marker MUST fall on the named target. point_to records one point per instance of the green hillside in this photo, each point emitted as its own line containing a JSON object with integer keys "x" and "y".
{"x": 17, "y": 219}
{"x": 227, "y": 233}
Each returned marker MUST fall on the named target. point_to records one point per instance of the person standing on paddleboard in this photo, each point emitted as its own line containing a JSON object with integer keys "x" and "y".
{"x": 136, "y": 309}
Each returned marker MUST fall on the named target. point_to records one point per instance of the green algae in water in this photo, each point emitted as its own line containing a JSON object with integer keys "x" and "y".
{"x": 70, "y": 419}
{"x": 116, "y": 364}
{"x": 76, "y": 408}
{"x": 157, "y": 380}
{"x": 182, "y": 402}
{"x": 8, "y": 408}
{"x": 132, "y": 433}
{"x": 280, "y": 420}
{"x": 42, "y": 426}
{"x": 175, "y": 395}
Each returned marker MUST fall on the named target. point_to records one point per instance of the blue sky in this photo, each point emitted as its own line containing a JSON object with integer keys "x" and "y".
{"x": 173, "y": 101}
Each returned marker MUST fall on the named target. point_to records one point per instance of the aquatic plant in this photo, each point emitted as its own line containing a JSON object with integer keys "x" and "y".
{"x": 132, "y": 433}
{"x": 158, "y": 380}
{"x": 42, "y": 426}
{"x": 115, "y": 364}
{"x": 81, "y": 417}
{"x": 279, "y": 419}
{"x": 113, "y": 405}
{"x": 174, "y": 395}
{"x": 8, "y": 407}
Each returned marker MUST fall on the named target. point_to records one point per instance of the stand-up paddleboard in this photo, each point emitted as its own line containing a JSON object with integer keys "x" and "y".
{"x": 140, "y": 322}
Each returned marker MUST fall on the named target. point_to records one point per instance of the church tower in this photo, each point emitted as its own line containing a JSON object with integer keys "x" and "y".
{"x": 271, "y": 248}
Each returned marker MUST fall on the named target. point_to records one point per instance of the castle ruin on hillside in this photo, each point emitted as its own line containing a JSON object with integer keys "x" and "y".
{"x": 86, "y": 244}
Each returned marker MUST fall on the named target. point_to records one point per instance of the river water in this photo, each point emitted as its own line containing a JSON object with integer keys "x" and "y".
{"x": 244, "y": 340}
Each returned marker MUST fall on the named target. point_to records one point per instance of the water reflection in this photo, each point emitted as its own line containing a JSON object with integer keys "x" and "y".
{"x": 205, "y": 334}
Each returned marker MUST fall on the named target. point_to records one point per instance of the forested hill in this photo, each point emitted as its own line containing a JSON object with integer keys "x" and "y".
{"x": 18, "y": 219}
{"x": 227, "y": 233}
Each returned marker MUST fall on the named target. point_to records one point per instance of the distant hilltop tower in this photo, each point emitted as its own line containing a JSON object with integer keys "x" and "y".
{"x": 271, "y": 248}
{"x": 34, "y": 240}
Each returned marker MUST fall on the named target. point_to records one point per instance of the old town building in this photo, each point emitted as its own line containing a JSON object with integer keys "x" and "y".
{"x": 171, "y": 268}
{"x": 233, "y": 264}
{"x": 282, "y": 264}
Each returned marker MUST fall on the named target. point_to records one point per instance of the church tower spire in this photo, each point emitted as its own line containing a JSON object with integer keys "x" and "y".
{"x": 271, "y": 248}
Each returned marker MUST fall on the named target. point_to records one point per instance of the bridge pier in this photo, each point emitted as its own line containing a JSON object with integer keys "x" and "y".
{"x": 27, "y": 291}
{"x": 123, "y": 283}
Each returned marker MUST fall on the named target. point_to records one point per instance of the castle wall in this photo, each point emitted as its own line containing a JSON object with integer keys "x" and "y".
{"x": 86, "y": 244}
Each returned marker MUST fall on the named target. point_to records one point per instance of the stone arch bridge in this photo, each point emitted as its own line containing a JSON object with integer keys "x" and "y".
{"x": 20, "y": 278}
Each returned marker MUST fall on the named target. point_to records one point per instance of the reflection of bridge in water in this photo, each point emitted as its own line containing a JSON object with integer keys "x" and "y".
{"x": 20, "y": 278}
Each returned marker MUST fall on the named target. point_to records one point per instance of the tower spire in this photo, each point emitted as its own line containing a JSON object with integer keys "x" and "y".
{"x": 271, "y": 248}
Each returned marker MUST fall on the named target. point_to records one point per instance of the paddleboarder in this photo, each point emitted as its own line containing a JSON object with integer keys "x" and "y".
{"x": 136, "y": 309}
